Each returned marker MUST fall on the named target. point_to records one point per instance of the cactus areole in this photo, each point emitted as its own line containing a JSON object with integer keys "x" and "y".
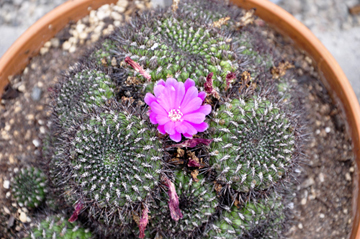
{"x": 187, "y": 137}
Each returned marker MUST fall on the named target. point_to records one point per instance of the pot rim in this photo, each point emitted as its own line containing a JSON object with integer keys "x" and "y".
{"x": 29, "y": 43}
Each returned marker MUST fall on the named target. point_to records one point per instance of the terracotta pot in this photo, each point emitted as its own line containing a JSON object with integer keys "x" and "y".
{"x": 29, "y": 44}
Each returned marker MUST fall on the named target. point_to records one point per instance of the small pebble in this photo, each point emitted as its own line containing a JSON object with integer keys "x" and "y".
{"x": 47, "y": 44}
{"x": 36, "y": 143}
{"x": 8, "y": 194}
{"x": 72, "y": 49}
{"x": 6, "y": 210}
{"x": 300, "y": 226}
{"x": 317, "y": 131}
{"x": 22, "y": 88}
{"x": 23, "y": 217}
{"x": 327, "y": 129}
{"x": 36, "y": 93}
{"x": 348, "y": 177}
{"x": 308, "y": 182}
{"x": 42, "y": 130}
{"x": 6, "y": 184}
{"x": 303, "y": 201}
{"x": 7, "y": 127}
{"x": 44, "y": 50}
{"x": 55, "y": 42}
{"x": 321, "y": 177}
{"x": 66, "y": 46}
{"x": 321, "y": 215}
{"x": 351, "y": 169}
{"x": 345, "y": 211}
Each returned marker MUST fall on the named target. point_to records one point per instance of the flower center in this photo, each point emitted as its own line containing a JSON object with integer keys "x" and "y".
{"x": 175, "y": 115}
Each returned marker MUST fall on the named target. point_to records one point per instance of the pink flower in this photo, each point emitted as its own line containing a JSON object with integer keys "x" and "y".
{"x": 177, "y": 108}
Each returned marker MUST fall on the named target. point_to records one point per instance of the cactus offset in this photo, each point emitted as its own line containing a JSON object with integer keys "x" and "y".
{"x": 57, "y": 226}
{"x": 29, "y": 187}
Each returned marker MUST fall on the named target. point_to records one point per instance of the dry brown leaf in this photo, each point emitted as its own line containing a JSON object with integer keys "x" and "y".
{"x": 248, "y": 18}
{"x": 104, "y": 62}
{"x": 280, "y": 70}
{"x": 218, "y": 187}
{"x": 180, "y": 152}
{"x": 175, "y": 5}
{"x": 132, "y": 80}
{"x": 237, "y": 203}
{"x": 220, "y": 22}
{"x": 136, "y": 218}
{"x": 176, "y": 161}
{"x": 194, "y": 175}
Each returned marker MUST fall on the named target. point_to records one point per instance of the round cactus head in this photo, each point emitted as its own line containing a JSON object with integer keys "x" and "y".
{"x": 253, "y": 144}
{"x": 236, "y": 222}
{"x": 57, "y": 226}
{"x": 87, "y": 88}
{"x": 29, "y": 187}
{"x": 197, "y": 203}
{"x": 114, "y": 160}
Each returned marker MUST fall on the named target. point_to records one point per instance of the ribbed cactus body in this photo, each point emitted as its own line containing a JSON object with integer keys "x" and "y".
{"x": 81, "y": 90}
{"x": 113, "y": 160}
{"x": 198, "y": 203}
{"x": 29, "y": 187}
{"x": 236, "y": 222}
{"x": 253, "y": 144}
{"x": 58, "y": 227}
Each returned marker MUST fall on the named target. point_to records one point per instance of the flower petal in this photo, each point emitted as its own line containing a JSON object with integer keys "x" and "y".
{"x": 161, "y": 129}
{"x": 162, "y": 119}
{"x": 202, "y": 95}
{"x": 149, "y": 98}
{"x": 205, "y": 109}
{"x": 176, "y": 137}
{"x": 189, "y": 83}
{"x": 158, "y": 89}
{"x": 158, "y": 109}
{"x": 200, "y": 127}
{"x": 171, "y": 82}
{"x": 170, "y": 128}
{"x": 189, "y": 136}
{"x": 143, "y": 222}
{"x": 179, "y": 95}
{"x": 196, "y": 118}
{"x": 190, "y": 94}
{"x": 190, "y": 129}
{"x": 152, "y": 117}
{"x": 192, "y": 106}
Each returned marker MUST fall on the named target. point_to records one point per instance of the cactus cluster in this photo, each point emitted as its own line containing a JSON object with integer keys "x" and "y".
{"x": 114, "y": 169}
{"x": 56, "y": 226}
{"x": 29, "y": 187}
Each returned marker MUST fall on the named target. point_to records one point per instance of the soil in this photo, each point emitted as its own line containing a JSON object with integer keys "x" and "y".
{"x": 322, "y": 202}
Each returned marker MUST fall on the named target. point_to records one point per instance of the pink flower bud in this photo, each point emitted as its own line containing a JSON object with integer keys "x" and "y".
{"x": 138, "y": 68}
{"x": 174, "y": 200}
{"x": 143, "y": 222}
{"x": 76, "y": 213}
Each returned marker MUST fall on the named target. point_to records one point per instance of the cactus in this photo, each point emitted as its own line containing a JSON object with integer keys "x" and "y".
{"x": 57, "y": 226}
{"x": 183, "y": 45}
{"x": 113, "y": 161}
{"x": 80, "y": 90}
{"x": 253, "y": 144}
{"x": 239, "y": 222}
{"x": 198, "y": 203}
{"x": 29, "y": 187}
